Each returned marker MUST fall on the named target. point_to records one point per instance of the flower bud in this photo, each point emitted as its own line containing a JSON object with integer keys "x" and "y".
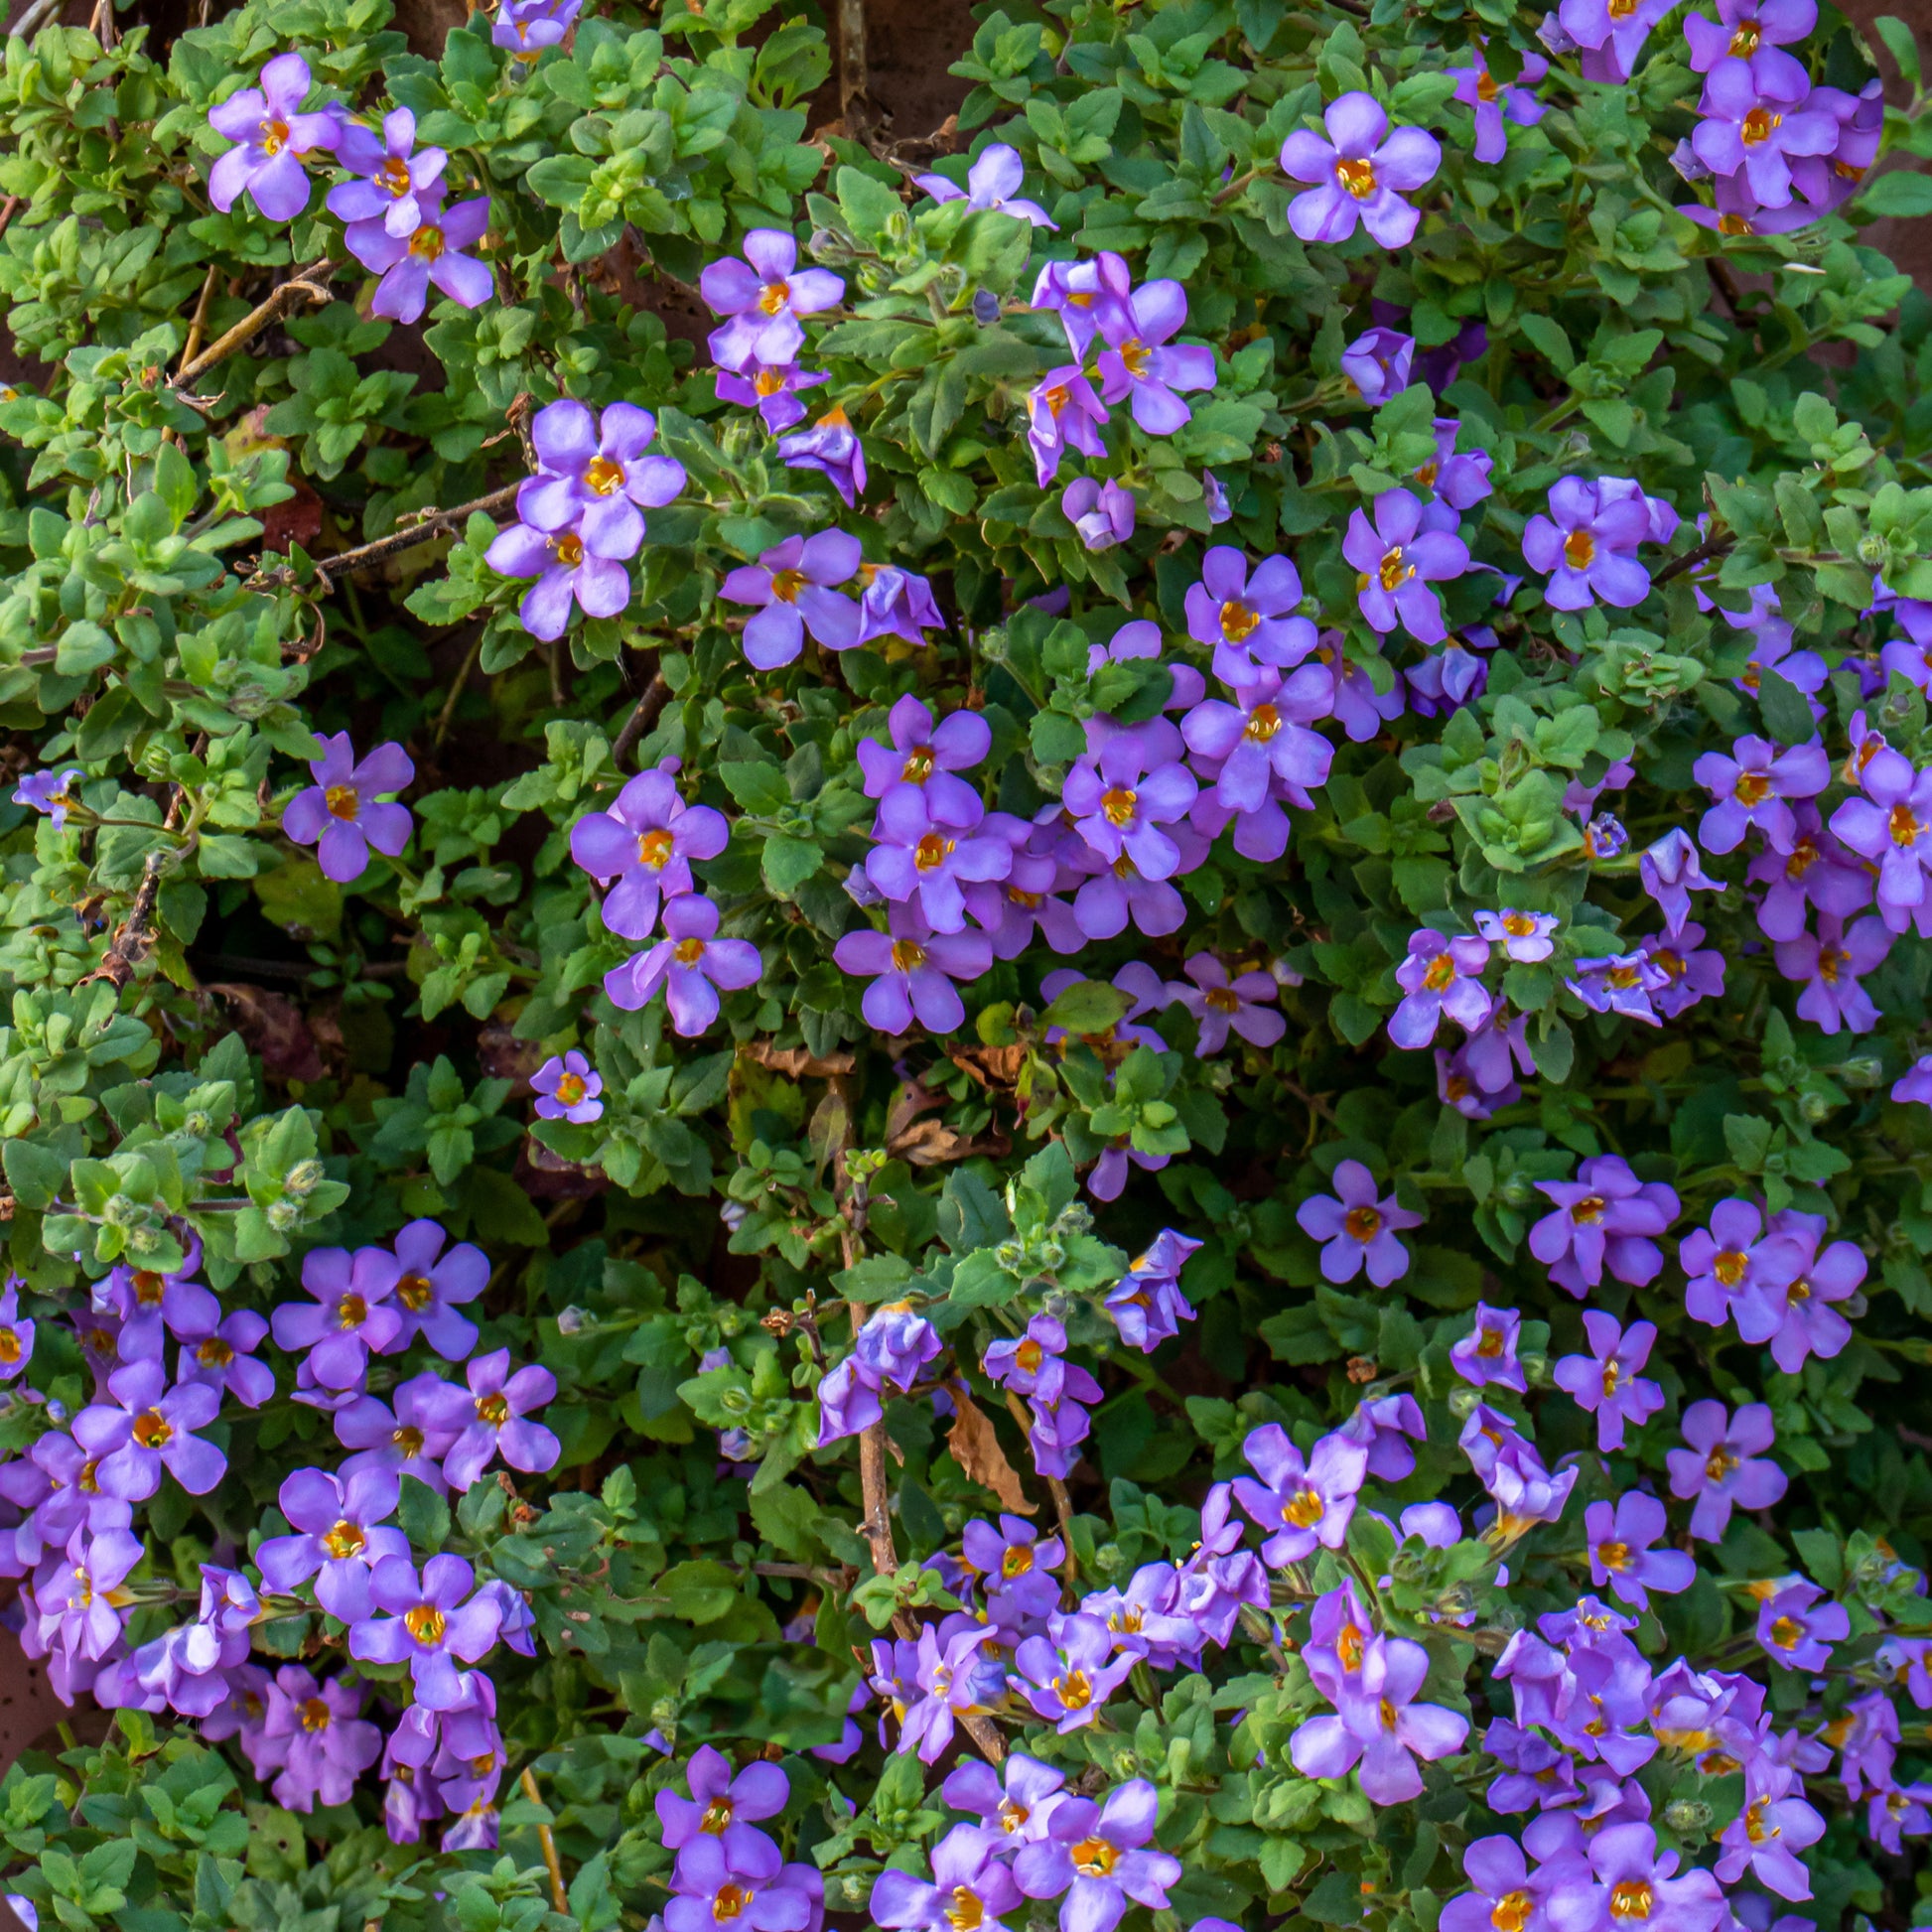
{"x": 986, "y": 308}
{"x": 1463, "y": 1402}
{"x": 571, "y": 1321}
{"x": 303, "y": 1179}
{"x": 1688, "y": 1817}
{"x": 1872, "y": 549}
{"x": 282, "y": 1215}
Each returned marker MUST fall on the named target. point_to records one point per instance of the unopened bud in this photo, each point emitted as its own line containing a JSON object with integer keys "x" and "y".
{"x": 303, "y": 1179}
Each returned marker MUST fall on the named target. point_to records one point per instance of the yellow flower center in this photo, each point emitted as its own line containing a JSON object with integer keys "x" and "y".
{"x": 153, "y": 1431}
{"x": 1732, "y": 1265}
{"x": 717, "y": 1815}
{"x": 1733, "y": 224}
{"x": 427, "y": 243}
{"x": 965, "y": 1913}
{"x": 1119, "y": 804}
{"x": 1511, "y": 1912}
{"x": 10, "y": 1349}
{"x": 907, "y": 955}
{"x": 1787, "y": 1634}
{"x": 786, "y": 583}
{"x": 918, "y": 766}
{"x": 1387, "y": 1712}
{"x": 932, "y": 852}
{"x": 1094, "y": 1858}
{"x": 569, "y": 547}
{"x": 1904, "y": 827}
{"x": 1439, "y": 971}
{"x": 415, "y": 1292}
{"x": 1760, "y": 125}
{"x": 394, "y": 177}
{"x": 1612, "y": 1376}
{"x": 1613, "y": 1556}
{"x": 603, "y": 476}
{"x": 1077, "y": 1692}
{"x": 1223, "y": 999}
{"x": 1744, "y": 43}
{"x": 1238, "y": 621}
{"x": 409, "y": 1439}
{"x": 275, "y": 136}
{"x": 687, "y": 953}
{"x": 342, "y": 802}
{"x": 494, "y": 1409}
{"x": 1263, "y": 721}
{"x": 1395, "y": 573}
{"x": 315, "y": 1715}
{"x": 1719, "y": 1463}
{"x": 1630, "y": 1898}
{"x": 425, "y": 1623}
{"x": 773, "y": 297}
{"x": 1357, "y": 177}
{"x": 1135, "y": 356}
{"x": 351, "y": 1312}
{"x": 570, "y": 1089}
{"x": 1305, "y": 1510}
{"x": 1579, "y": 549}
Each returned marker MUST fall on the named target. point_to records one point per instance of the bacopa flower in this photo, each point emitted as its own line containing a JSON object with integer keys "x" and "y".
{"x": 1588, "y": 543}
{"x": 1440, "y": 976}
{"x": 1602, "y": 1218}
{"x": 390, "y": 174}
{"x": 1670, "y": 871}
{"x": 1123, "y": 795}
{"x": 1750, "y": 787}
{"x": 723, "y": 1804}
{"x": 568, "y": 1087}
{"x": 792, "y": 588}
{"x": 1619, "y": 1536}
{"x": 1304, "y": 1504}
{"x": 1363, "y": 169}
{"x": 1248, "y": 616}
{"x": 1892, "y": 826}
{"x": 1396, "y": 560}
{"x": 1522, "y": 935}
{"x": 1063, "y": 412}
{"x": 16, "y": 1334}
{"x": 1809, "y": 1324}
{"x": 340, "y": 1536}
{"x": 1102, "y": 514}
{"x": 764, "y": 295}
{"x": 888, "y": 1351}
{"x": 527, "y": 26}
{"x": 1606, "y": 1383}
{"x": 969, "y": 1884}
{"x": 831, "y": 447}
{"x": 1357, "y": 1229}
{"x": 1737, "y": 1269}
{"x": 436, "y": 1280}
{"x": 690, "y": 964}
{"x": 1743, "y": 26}
{"x": 1755, "y": 118}
{"x": 1380, "y": 1731}
{"x": 1831, "y": 962}
{"x": 595, "y": 476}
{"x": 150, "y": 1428}
{"x": 1796, "y": 1630}
{"x": 568, "y": 572}
{"x": 1498, "y": 103}
{"x": 1377, "y": 364}
{"x": 432, "y": 253}
{"x": 342, "y": 813}
{"x": 50, "y": 792}
{"x": 495, "y": 1420}
{"x": 771, "y": 390}
{"x": 1244, "y": 1004}
{"x": 350, "y": 1316}
{"x": 926, "y": 755}
{"x": 1096, "y": 1859}
{"x": 431, "y": 1623}
{"x": 642, "y": 845}
{"x": 1724, "y": 1465}
{"x": 1139, "y": 362}
{"x": 992, "y": 182}
{"x": 273, "y": 135}
{"x": 913, "y": 970}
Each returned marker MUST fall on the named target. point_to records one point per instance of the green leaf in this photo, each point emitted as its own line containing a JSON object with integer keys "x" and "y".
{"x": 423, "y": 1515}
{"x": 35, "y": 1172}
{"x": 1898, "y": 193}
{"x": 1087, "y": 1006}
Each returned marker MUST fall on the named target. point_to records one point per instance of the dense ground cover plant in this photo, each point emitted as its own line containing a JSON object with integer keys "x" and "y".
{"x": 1085, "y": 1085}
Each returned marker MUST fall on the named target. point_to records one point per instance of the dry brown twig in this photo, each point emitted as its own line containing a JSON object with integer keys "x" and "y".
{"x": 308, "y": 284}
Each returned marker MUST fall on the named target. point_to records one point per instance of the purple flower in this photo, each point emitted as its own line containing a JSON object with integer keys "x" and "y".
{"x": 1828, "y": 180}
{"x": 1146, "y": 1304}
{"x": 1723, "y": 1464}
{"x": 764, "y": 295}
{"x": 339, "y": 813}
{"x": 1605, "y": 1383}
{"x": 1743, "y": 26}
{"x": 790, "y": 585}
{"x": 1775, "y": 1825}
{"x": 390, "y": 176}
{"x": 1034, "y": 1362}
{"x": 1752, "y": 787}
{"x": 1588, "y": 543}
{"x": 1015, "y": 1803}
{"x": 1628, "y": 1865}
{"x": 1797, "y": 1631}
{"x": 1058, "y": 1407}
{"x": 1625, "y": 984}
{"x": 151, "y": 1427}
{"x": 568, "y": 571}
{"x": 1605, "y": 1216}
{"x": 274, "y": 134}
{"x": 1139, "y": 361}
{"x": 1304, "y": 1505}
{"x": 594, "y": 476}
{"x": 1246, "y": 1004}
{"x": 1094, "y": 1859}
{"x": 1063, "y": 411}
{"x": 154, "y": 1305}
{"x": 1385, "y": 1427}
{"x": 890, "y": 1351}
{"x": 1670, "y": 871}
{"x": 352, "y": 1315}
{"x": 431, "y": 1286}
{"x": 1522, "y": 935}
{"x": 50, "y": 791}
{"x": 1102, "y": 515}
{"x": 494, "y": 1417}
{"x": 432, "y": 252}
{"x": 1809, "y": 1324}
{"x": 1016, "y": 1568}
{"x": 1619, "y": 1538}
{"x": 1258, "y": 755}
{"x": 1755, "y": 117}
{"x": 1396, "y": 560}
{"x": 17, "y": 1331}
{"x": 969, "y": 1884}
{"x": 646, "y": 841}
{"x": 527, "y": 26}
{"x": 318, "y": 1736}
{"x": 1122, "y": 796}
{"x": 1377, "y": 364}
{"x": 1357, "y": 1229}
{"x": 1459, "y": 479}
{"x": 926, "y": 866}
{"x": 429, "y": 1624}
{"x": 1916, "y": 1085}
{"x": 1504, "y": 1892}
{"x": 1248, "y": 619}
{"x": 1085, "y": 295}
{"x": 714, "y": 1891}
{"x": 1611, "y": 34}
{"x": 410, "y": 1438}
{"x": 948, "y": 1674}
{"x": 832, "y": 447}
{"x": 1891, "y": 825}
{"x": 721, "y": 1804}
{"x": 770, "y": 390}
{"x": 1380, "y": 1731}
{"x": 1488, "y": 1353}
{"x": 1831, "y": 962}
{"x": 1069, "y": 1674}
{"x": 894, "y": 603}
{"x": 689, "y": 964}
{"x": 913, "y": 970}
{"x": 1737, "y": 1271}
{"x": 991, "y": 183}
{"x": 1495, "y": 101}
{"x": 924, "y": 757}
{"x": 1363, "y": 169}
{"x": 567, "y": 1087}
{"x": 1440, "y": 976}
{"x": 339, "y": 1536}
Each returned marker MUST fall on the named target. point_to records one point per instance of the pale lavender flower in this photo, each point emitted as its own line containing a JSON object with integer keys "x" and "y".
{"x": 1724, "y": 1465}
{"x": 1670, "y": 871}
{"x": 1832, "y": 964}
{"x": 1248, "y": 618}
{"x": 273, "y": 135}
{"x": 1396, "y": 559}
{"x": 567, "y": 1087}
{"x": 595, "y": 476}
{"x": 568, "y": 572}
{"x": 1606, "y": 1383}
{"x": 1751, "y": 789}
{"x": 1304, "y": 1504}
{"x": 1606, "y": 1217}
{"x": 1377, "y": 365}
{"x": 642, "y": 845}
{"x": 831, "y": 447}
{"x": 690, "y": 965}
{"x": 1755, "y": 117}
{"x": 339, "y": 814}
{"x": 1096, "y": 1859}
{"x": 1522, "y": 935}
{"x": 430, "y": 1623}
{"x": 1743, "y": 26}
{"x": 1488, "y": 1353}
{"x": 925, "y": 757}
{"x": 791, "y": 586}
{"x": 1101, "y": 514}
{"x": 390, "y": 173}
{"x": 992, "y": 182}
{"x": 1498, "y": 102}
{"x": 1363, "y": 169}
{"x": 1588, "y": 543}
{"x": 1620, "y": 1540}
{"x": 1141, "y": 363}
{"x": 1440, "y": 976}
{"x": 1245, "y": 1004}
{"x": 1357, "y": 1229}
{"x": 1892, "y": 826}
{"x": 1381, "y": 1731}
{"x": 432, "y": 253}
{"x": 764, "y": 295}
{"x": 913, "y": 970}
{"x": 350, "y": 1316}
{"x": 340, "y": 1537}
{"x": 50, "y": 791}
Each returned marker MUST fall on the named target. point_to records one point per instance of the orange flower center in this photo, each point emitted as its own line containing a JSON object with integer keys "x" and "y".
{"x": 1760, "y": 125}
{"x": 149, "y": 1288}
{"x": 275, "y": 136}
{"x": 1077, "y": 1692}
{"x": 1904, "y": 827}
{"x": 1304, "y": 1509}
{"x": 1441, "y": 969}
{"x": 1486, "y": 90}
{"x": 1511, "y": 1912}
{"x": 425, "y": 1623}
{"x": 1238, "y": 621}
{"x": 932, "y": 852}
{"x": 153, "y": 1431}
{"x": 1222, "y": 999}
{"x": 315, "y": 1715}
{"x": 1787, "y": 1632}
{"x": 786, "y": 583}
{"x": 1363, "y": 1224}
{"x": 427, "y": 243}
{"x": 342, "y": 802}
{"x": 1613, "y": 1556}
{"x": 1579, "y": 549}
{"x": 1135, "y": 356}
{"x": 1744, "y": 43}
{"x": 717, "y": 1815}
{"x": 1719, "y": 1463}
{"x": 344, "y": 1539}
{"x": 570, "y": 1089}
{"x": 409, "y": 1439}
{"x": 773, "y": 297}
{"x": 1731, "y": 1266}
{"x": 569, "y": 547}
{"x": 1118, "y": 805}
{"x": 1263, "y": 721}
{"x": 351, "y": 1312}
{"x": 907, "y": 955}
{"x": 1357, "y": 177}
{"x": 394, "y": 177}
{"x": 1752, "y": 789}
{"x": 1630, "y": 1898}
{"x": 1094, "y": 1858}
{"x": 687, "y": 953}
{"x": 603, "y": 476}
{"x": 415, "y": 1293}
{"x": 1016, "y": 1560}
{"x": 1395, "y": 573}
{"x": 918, "y": 766}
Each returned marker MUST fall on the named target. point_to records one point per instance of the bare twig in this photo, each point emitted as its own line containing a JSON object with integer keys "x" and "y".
{"x": 36, "y": 17}
{"x": 199, "y": 322}
{"x": 457, "y": 683}
{"x": 135, "y": 937}
{"x": 432, "y": 523}
{"x": 298, "y": 288}
{"x": 1711, "y": 547}
{"x": 546, "y": 1839}
{"x": 649, "y": 708}
{"x": 855, "y": 74}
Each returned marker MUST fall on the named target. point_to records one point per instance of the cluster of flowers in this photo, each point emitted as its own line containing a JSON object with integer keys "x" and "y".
{"x": 728, "y": 1871}
{"x": 71, "y": 1498}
